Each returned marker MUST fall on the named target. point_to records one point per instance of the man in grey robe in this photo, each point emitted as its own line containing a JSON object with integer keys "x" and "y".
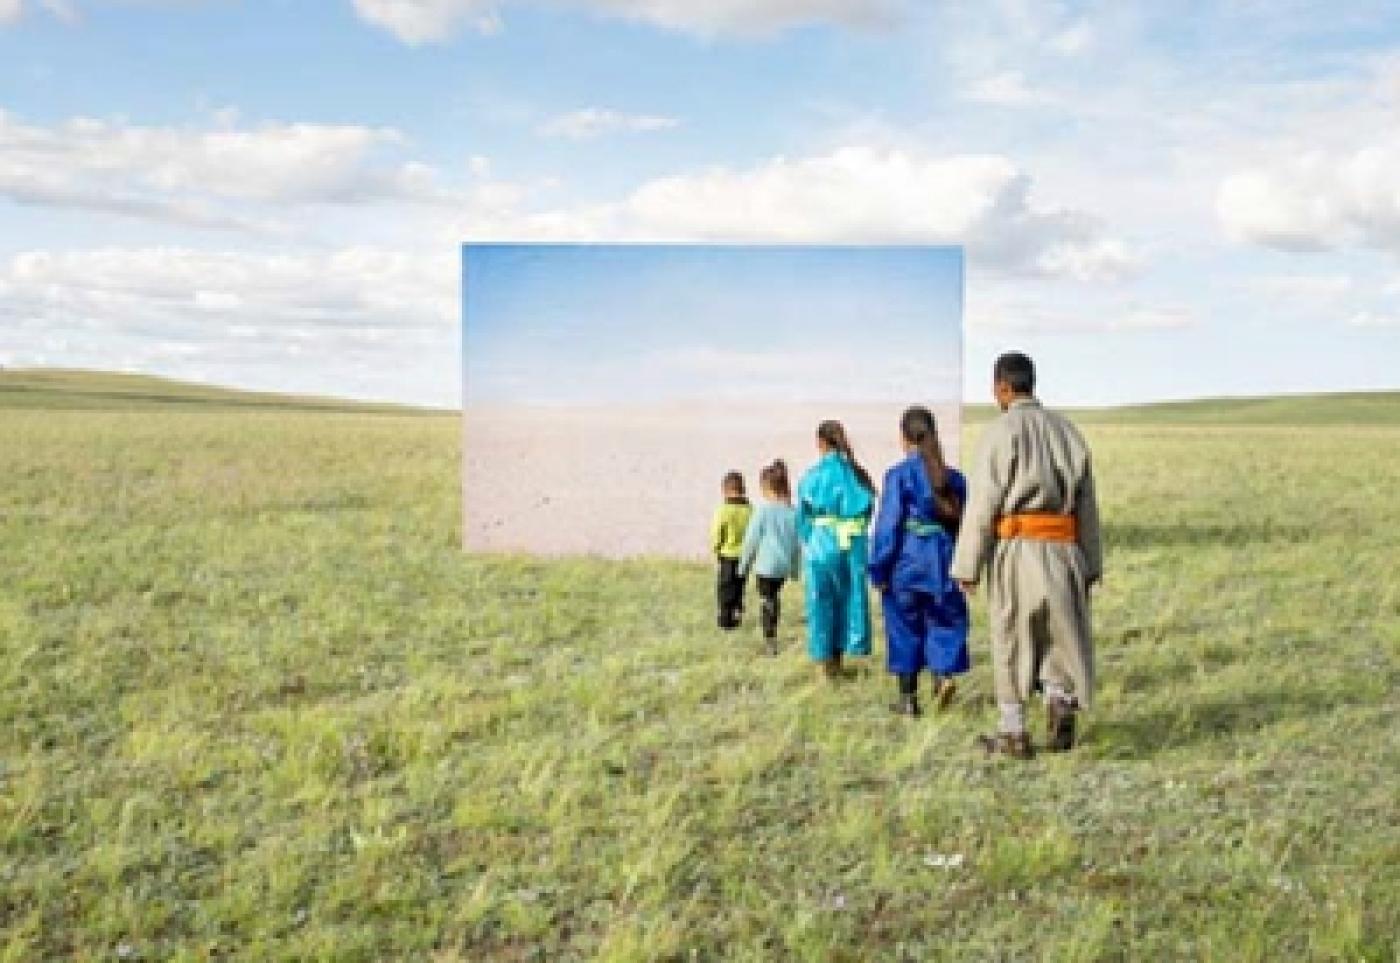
{"x": 1032, "y": 527}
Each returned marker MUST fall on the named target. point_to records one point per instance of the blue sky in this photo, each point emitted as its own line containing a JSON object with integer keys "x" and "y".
{"x": 1157, "y": 200}
{"x": 603, "y": 324}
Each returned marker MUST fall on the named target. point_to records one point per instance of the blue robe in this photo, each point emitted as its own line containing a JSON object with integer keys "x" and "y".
{"x": 926, "y": 617}
{"x": 833, "y": 512}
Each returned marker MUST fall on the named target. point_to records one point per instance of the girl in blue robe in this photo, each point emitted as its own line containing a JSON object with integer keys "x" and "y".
{"x": 926, "y": 617}
{"x": 834, "y": 503}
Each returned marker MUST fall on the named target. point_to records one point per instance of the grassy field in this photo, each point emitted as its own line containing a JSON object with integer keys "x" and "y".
{"x": 256, "y": 704}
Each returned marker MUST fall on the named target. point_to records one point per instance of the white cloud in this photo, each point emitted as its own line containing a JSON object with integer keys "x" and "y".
{"x": 369, "y": 322}
{"x": 751, "y": 16}
{"x": 590, "y": 122}
{"x": 1017, "y": 53}
{"x": 852, "y": 195}
{"x": 1318, "y": 200}
{"x": 62, "y": 9}
{"x": 378, "y": 321}
{"x": 860, "y": 195}
{"x": 354, "y": 286}
{"x": 1358, "y": 294}
{"x": 1007, "y": 89}
{"x": 1261, "y": 207}
{"x": 1151, "y": 319}
{"x": 992, "y": 310}
{"x": 1303, "y": 287}
{"x": 1073, "y": 40}
{"x": 1370, "y": 319}
{"x": 427, "y": 21}
{"x": 184, "y": 175}
{"x": 12, "y": 10}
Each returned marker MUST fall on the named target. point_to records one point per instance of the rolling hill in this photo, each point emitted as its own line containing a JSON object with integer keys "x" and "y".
{"x": 59, "y": 388}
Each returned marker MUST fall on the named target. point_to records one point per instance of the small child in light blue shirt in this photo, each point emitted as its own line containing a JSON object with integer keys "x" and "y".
{"x": 772, "y": 549}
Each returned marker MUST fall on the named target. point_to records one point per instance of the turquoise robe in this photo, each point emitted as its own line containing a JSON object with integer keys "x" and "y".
{"x": 833, "y": 515}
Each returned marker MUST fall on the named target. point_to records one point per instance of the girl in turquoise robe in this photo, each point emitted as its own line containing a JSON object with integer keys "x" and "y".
{"x": 834, "y": 503}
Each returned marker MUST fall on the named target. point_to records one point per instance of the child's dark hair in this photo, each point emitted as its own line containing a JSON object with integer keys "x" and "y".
{"x": 833, "y": 433}
{"x": 733, "y": 483}
{"x": 775, "y": 477}
{"x": 919, "y": 429}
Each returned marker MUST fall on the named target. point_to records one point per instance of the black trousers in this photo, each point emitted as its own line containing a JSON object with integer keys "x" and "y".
{"x": 770, "y": 589}
{"x": 729, "y": 592}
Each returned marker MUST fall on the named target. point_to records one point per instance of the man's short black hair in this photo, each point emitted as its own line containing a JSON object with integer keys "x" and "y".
{"x": 1017, "y": 370}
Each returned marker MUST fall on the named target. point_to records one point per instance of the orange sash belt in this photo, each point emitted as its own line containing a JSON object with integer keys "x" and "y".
{"x": 1041, "y": 527}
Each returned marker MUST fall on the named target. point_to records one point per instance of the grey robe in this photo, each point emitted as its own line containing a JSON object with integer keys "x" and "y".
{"x": 1033, "y": 460}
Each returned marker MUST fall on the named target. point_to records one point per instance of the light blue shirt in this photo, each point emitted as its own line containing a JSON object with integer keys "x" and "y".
{"x": 771, "y": 546}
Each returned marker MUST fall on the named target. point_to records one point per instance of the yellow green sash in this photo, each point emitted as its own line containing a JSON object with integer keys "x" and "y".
{"x": 917, "y": 526}
{"x": 845, "y": 529}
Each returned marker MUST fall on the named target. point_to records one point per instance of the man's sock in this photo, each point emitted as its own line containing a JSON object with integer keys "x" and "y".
{"x": 1013, "y": 718}
{"x": 1056, "y": 692}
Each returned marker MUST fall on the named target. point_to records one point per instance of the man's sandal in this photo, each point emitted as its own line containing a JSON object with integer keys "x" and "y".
{"x": 1016, "y": 745}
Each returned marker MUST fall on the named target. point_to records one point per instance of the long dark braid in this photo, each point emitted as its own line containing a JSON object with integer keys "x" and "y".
{"x": 834, "y": 434}
{"x": 920, "y": 429}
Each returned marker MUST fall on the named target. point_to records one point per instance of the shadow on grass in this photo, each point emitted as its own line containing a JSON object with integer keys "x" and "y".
{"x": 1188, "y": 535}
{"x": 1199, "y": 719}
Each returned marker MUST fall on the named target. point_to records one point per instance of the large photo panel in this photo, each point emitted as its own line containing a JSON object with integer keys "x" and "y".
{"x": 608, "y": 388}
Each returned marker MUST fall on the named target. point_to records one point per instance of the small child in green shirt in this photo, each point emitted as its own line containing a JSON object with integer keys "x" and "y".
{"x": 727, "y": 530}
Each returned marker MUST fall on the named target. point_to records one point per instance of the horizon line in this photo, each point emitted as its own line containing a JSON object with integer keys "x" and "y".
{"x": 6, "y": 370}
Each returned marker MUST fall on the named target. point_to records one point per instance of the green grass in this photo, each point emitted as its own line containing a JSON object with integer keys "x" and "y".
{"x": 256, "y": 704}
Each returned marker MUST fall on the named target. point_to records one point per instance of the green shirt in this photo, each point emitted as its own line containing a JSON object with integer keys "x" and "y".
{"x": 728, "y": 528}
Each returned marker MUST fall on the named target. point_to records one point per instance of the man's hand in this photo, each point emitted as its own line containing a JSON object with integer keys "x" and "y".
{"x": 969, "y": 588}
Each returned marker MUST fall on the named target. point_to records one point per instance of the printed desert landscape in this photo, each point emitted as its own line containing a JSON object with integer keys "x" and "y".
{"x": 608, "y": 388}
{"x": 629, "y": 481}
